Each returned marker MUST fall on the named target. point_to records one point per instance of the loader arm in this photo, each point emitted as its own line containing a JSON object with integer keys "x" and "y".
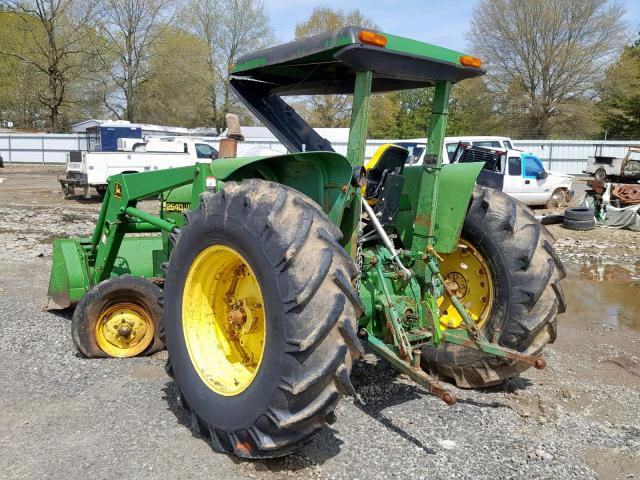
{"x": 119, "y": 215}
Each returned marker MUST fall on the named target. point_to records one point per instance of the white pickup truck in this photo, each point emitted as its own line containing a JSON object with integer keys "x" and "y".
{"x": 520, "y": 175}
{"x": 92, "y": 169}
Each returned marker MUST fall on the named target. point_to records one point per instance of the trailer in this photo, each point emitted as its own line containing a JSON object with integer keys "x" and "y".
{"x": 615, "y": 169}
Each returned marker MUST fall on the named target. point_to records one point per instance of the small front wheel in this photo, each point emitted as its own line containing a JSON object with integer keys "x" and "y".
{"x": 119, "y": 317}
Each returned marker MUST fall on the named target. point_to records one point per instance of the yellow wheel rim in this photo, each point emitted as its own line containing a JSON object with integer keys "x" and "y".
{"x": 223, "y": 320}
{"x": 124, "y": 330}
{"x": 467, "y": 274}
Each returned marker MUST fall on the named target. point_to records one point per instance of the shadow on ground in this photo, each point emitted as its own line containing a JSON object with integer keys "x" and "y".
{"x": 324, "y": 444}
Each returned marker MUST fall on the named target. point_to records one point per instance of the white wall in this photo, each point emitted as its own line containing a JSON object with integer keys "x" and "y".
{"x": 567, "y": 156}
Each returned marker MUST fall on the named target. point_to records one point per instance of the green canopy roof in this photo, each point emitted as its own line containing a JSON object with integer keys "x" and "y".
{"x": 326, "y": 64}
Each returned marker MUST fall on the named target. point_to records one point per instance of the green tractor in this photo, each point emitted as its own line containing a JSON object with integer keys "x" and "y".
{"x": 264, "y": 276}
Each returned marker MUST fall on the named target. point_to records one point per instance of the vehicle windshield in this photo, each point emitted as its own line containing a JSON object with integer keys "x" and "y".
{"x": 634, "y": 156}
{"x": 415, "y": 151}
{"x": 508, "y": 145}
{"x": 205, "y": 151}
{"x": 451, "y": 150}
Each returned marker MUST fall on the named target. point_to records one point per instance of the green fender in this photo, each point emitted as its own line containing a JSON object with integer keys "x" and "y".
{"x": 323, "y": 176}
{"x": 454, "y": 195}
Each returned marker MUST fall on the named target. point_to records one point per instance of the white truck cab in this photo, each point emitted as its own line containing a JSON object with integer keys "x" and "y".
{"x": 520, "y": 175}
{"x": 417, "y": 146}
{"x": 92, "y": 169}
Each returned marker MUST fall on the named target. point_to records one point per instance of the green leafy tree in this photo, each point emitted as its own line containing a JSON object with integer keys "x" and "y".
{"x": 132, "y": 29}
{"x": 180, "y": 95}
{"x": 50, "y": 42}
{"x": 471, "y": 110}
{"x": 384, "y": 116}
{"x": 620, "y": 96}
{"x": 228, "y": 29}
{"x": 20, "y": 82}
{"x": 415, "y": 112}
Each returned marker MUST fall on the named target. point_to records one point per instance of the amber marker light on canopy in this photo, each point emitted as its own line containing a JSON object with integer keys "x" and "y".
{"x": 469, "y": 61}
{"x": 372, "y": 38}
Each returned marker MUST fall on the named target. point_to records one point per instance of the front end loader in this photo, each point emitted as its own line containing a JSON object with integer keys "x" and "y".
{"x": 264, "y": 276}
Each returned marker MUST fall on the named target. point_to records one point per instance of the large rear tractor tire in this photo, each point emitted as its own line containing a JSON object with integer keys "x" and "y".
{"x": 506, "y": 273}
{"x": 260, "y": 318}
{"x": 119, "y": 317}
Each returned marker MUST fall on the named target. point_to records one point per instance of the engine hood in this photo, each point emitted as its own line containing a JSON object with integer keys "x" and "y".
{"x": 559, "y": 174}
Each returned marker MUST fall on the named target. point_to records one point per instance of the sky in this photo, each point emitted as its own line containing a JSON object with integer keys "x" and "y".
{"x": 442, "y": 22}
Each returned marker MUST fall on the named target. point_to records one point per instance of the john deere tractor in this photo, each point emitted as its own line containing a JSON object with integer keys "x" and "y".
{"x": 264, "y": 276}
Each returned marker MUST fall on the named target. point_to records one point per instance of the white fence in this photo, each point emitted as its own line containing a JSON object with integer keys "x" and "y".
{"x": 567, "y": 156}
{"x": 39, "y": 148}
{"x": 570, "y": 156}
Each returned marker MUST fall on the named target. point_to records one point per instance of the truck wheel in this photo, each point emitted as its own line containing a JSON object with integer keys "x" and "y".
{"x": 600, "y": 175}
{"x": 119, "y": 317}
{"x": 259, "y": 317}
{"x": 558, "y": 198}
{"x": 507, "y": 275}
{"x": 102, "y": 191}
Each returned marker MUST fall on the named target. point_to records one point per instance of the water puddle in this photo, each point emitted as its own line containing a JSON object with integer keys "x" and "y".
{"x": 602, "y": 294}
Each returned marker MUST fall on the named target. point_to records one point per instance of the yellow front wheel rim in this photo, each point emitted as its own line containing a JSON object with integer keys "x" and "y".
{"x": 467, "y": 275}
{"x": 223, "y": 320}
{"x": 124, "y": 330}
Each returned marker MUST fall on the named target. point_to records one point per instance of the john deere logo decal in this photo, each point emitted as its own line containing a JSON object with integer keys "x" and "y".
{"x": 117, "y": 191}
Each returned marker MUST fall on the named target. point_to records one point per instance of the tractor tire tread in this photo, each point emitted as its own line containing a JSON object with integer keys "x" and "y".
{"x": 534, "y": 272}
{"x": 320, "y": 309}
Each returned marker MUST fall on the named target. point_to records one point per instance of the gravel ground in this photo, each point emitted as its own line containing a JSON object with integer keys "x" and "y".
{"x": 66, "y": 417}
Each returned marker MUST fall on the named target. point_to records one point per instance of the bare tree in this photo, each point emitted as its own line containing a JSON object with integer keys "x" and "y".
{"x": 132, "y": 28}
{"x": 545, "y": 56}
{"x": 230, "y": 28}
{"x": 330, "y": 110}
{"x": 55, "y": 34}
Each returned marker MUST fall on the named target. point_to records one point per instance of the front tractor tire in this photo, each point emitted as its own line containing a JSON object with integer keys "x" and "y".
{"x": 119, "y": 317}
{"x": 506, "y": 273}
{"x": 260, "y": 317}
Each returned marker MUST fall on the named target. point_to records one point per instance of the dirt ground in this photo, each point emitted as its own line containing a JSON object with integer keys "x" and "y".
{"x": 62, "y": 416}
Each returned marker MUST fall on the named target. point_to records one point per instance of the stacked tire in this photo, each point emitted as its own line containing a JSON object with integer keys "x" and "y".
{"x": 579, "y": 218}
